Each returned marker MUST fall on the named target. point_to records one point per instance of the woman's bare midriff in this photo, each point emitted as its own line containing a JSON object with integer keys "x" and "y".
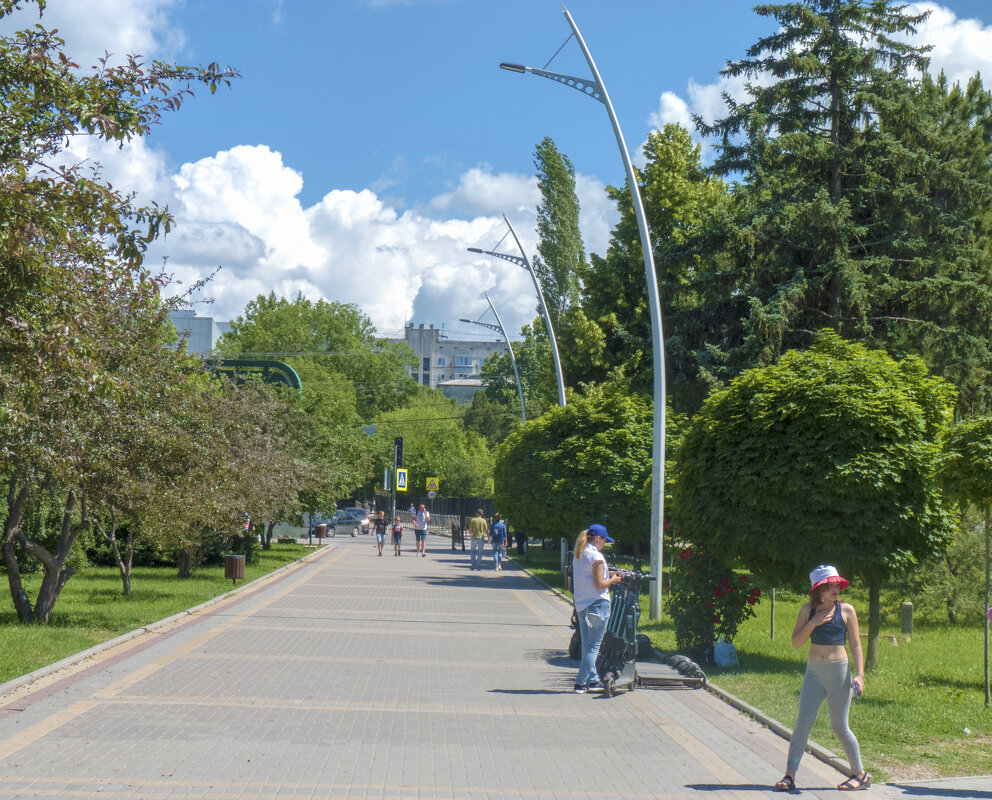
{"x": 827, "y": 652}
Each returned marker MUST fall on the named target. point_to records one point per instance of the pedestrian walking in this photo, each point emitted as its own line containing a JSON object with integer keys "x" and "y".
{"x": 497, "y": 536}
{"x": 381, "y": 523}
{"x": 420, "y": 519}
{"x": 397, "y": 535}
{"x": 479, "y": 531}
{"x": 827, "y": 624}
{"x": 591, "y": 579}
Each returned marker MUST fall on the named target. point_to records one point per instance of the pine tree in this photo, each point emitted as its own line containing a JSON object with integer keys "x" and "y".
{"x": 862, "y": 198}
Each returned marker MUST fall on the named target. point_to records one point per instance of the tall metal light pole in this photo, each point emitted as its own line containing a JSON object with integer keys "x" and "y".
{"x": 521, "y": 261}
{"x": 513, "y": 361}
{"x": 595, "y": 89}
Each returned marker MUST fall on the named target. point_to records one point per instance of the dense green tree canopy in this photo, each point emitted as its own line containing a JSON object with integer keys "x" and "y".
{"x": 587, "y": 462}
{"x": 336, "y": 338}
{"x": 861, "y": 200}
{"x": 825, "y": 457}
{"x": 79, "y": 310}
{"x": 561, "y": 261}
{"x": 435, "y": 445}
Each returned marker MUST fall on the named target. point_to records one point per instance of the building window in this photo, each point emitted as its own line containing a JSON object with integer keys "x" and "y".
{"x": 463, "y": 361}
{"x": 427, "y": 364}
{"x": 442, "y": 361}
{"x": 426, "y": 380}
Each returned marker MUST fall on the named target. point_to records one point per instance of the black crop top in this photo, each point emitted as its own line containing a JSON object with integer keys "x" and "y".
{"x": 832, "y": 632}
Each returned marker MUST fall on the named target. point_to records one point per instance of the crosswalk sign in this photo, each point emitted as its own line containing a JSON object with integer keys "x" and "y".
{"x": 401, "y": 480}
{"x": 433, "y": 484}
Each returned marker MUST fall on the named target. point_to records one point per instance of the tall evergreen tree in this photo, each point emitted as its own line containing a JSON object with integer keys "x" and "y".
{"x": 678, "y": 195}
{"x": 863, "y": 195}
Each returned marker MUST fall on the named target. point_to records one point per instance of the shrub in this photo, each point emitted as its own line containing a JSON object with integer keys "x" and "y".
{"x": 707, "y": 599}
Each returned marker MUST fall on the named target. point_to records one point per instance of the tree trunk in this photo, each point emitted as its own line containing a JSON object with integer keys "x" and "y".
{"x": 874, "y": 623}
{"x": 16, "y": 499}
{"x": 988, "y": 568}
{"x": 267, "y": 535}
{"x": 57, "y": 574}
{"x": 184, "y": 560}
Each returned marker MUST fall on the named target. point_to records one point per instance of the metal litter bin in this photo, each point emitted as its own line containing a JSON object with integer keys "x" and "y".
{"x": 234, "y": 567}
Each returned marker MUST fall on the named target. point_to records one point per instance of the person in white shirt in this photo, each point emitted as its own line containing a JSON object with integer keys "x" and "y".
{"x": 592, "y": 579}
{"x": 420, "y": 519}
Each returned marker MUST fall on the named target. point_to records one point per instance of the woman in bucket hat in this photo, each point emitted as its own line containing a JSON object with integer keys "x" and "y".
{"x": 827, "y": 624}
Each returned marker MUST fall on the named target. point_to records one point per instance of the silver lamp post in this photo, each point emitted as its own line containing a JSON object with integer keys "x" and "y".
{"x": 521, "y": 261}
{"x": 597, "y": 90}
{"x": 509, "y": 346}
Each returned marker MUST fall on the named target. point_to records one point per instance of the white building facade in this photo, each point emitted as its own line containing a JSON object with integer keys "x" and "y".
{"x": 442, "y": 360}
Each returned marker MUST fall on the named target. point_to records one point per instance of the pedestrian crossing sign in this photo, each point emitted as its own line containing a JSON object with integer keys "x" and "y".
{"x": 400, "y": 480}
{"x": 432, "y": 484}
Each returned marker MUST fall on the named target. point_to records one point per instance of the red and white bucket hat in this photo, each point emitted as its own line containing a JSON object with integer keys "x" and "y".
{"x": 826, "y": 574}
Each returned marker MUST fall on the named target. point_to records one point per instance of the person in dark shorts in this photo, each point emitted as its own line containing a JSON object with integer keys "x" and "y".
{"x": 397, "y": 535}
{"x": 380, "y": 530}
{"x": 420, "y": 519}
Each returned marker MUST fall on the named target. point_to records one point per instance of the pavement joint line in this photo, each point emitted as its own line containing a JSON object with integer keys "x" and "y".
{"x": 243, "y": 703}
{"x": 44, "y": 677}
{"x": 184, "y": 649}
{"x": 536, "y": 610}
{"x": 43, "y": 727}
{"x": 30, "y": 734}
{"x": 702, "y": 753}
{"x": 308, "y": 790}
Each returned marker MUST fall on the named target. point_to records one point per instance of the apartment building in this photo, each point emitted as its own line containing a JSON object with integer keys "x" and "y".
{"x": 445, "y": 363}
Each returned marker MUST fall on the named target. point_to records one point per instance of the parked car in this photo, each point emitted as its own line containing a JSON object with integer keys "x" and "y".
{"x": 350, "y": 519}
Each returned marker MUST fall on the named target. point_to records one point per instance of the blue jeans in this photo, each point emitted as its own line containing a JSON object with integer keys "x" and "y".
{"x": 478, "y": 545}
{"x": 592, "y": 626}
{"x": 499, "y": 552}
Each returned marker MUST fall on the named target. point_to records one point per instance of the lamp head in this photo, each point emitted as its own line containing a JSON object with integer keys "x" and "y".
{"x": 513, "y": 67}
{"x": 474, "y": 250}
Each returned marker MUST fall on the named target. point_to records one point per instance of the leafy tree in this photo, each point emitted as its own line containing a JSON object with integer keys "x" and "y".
{"x": 966, "y": 473}
{"x": 825, "y": 457}
{"x": 862, "y": 197}
{"x": 335, "y": 337}
{"x": 73, "y": 288}
{"x": 587, "y": 462}
{"x": 435, "y": 444}
{"x": 678, "y": 195}
{"x": 561, "y": 261}
{"x": 490, "y": 419}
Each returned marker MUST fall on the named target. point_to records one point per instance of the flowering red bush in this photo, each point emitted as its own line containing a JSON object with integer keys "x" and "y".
{"x": 703, "y": 603}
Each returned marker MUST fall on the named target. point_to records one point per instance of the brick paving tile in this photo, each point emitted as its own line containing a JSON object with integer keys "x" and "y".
{"x": 368, "y": 678}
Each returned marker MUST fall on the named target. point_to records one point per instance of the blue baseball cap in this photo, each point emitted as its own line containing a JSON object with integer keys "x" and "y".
{"x": 599, "y": 530}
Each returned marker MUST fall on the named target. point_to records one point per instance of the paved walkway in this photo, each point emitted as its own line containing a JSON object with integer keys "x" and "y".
{"x": 354, "y": 676}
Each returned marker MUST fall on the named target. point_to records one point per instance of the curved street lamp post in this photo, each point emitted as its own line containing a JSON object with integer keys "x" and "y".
{"x": 595, "y": 89}
{"x": 521, "y": 261}
{"x": 499, "y": 327}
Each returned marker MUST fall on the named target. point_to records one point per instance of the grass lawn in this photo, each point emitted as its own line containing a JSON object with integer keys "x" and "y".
{"x": 91, "y": 608}
{"x": 927, "y": 689}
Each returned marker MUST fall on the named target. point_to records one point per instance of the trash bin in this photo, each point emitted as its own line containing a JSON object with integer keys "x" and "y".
{"x": 234, "y": 567}
{"x": 320, "y": 531}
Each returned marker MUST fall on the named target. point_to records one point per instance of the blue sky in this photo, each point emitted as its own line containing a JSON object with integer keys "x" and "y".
{"x": 369, "y": 142}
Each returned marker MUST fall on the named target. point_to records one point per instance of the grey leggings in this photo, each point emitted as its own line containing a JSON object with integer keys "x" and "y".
{"x": 830, "y": 680}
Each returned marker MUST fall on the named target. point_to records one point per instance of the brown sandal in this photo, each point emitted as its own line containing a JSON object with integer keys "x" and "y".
{"x": 787, "y": 784}
{"x": 856, "y": 783}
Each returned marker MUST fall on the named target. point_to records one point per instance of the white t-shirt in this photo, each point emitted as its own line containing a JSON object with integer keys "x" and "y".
{"x": 420, "y": 520}
{"x": 584, "y": 591}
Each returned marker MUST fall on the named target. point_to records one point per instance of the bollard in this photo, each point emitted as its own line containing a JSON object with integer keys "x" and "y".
{"x": 906, "y": 618}
{"x": 563, "y": 548}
